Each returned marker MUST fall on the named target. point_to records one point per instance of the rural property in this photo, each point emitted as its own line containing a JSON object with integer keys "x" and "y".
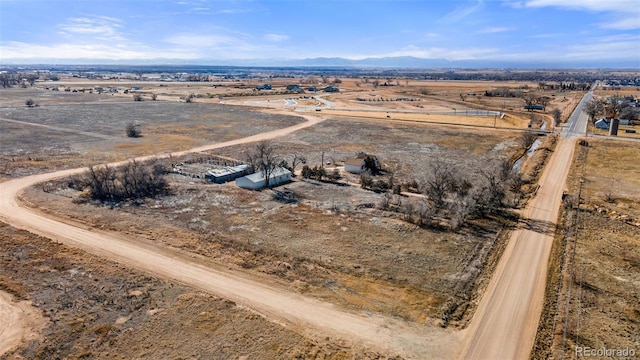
{"x": 317, "y": 214}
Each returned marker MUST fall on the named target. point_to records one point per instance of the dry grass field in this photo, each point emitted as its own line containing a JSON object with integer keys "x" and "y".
{"x": 600, "y": 283}
{"x": 83, "y": 132}
{"x": 100, "y": 310}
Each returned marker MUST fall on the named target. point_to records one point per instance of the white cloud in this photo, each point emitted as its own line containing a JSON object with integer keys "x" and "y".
{"x": 493, "y": 30}
{"x": 275, "y": 37}
{"x": 103, "y": 27}
{"x": 461, "y": 12}
{"x": 625, "y": 14}
{"x": 592, "y": 5}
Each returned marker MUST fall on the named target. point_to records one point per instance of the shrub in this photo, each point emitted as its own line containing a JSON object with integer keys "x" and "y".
{"x": 133, "y": 130}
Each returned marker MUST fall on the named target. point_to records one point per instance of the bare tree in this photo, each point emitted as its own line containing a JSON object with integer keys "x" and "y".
{"x": 154, "y": 97}
{"x": 557, "y": 116}
{"x": 407, "y": 208}
{"x": 529, "y": 99}
{"x": 263, "y": 159}
{"x": 439, "y": 182}
{"x": 297, "y": 160}
{"x": 593, "y": 108}
{"x": 426, "y": 212}
{"x": 31, "y": 78}
{"x": 515, "y": 186}
{"x": 544, "y": 101}
{"x": 30, "y": 103}
{"x": 137, "y": 97}
{"x": 614, "y": 106}
{"x": 492, "y": 189}
{"x": 527, "y": 139}
{"x": 460, "y": 208}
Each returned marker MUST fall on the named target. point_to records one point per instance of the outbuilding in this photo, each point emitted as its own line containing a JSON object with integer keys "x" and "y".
{"x": 225, "y": 174}
{"x": 256, "y": 181}
{"x": 355, "y": 165}
{"x": 603, "y": 124}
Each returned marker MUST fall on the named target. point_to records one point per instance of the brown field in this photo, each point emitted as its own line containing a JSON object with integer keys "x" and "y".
{"x": 101, "y": 310}
{"x": 84, "y": 132}
{"x": 600, "y": 283}
{"x": 605, "y": 92}
{"x": 621, "y": 133}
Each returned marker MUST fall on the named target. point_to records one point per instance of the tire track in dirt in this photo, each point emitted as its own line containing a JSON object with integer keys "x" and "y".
{"x": 57, "y": 128}
{"x": 19, "y": 321}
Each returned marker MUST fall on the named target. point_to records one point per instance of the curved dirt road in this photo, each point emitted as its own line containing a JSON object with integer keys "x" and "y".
{"x": 302, "y": 314}
{"x": 505, "y": 323}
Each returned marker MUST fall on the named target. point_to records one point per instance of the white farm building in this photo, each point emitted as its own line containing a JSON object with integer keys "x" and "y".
{"x": 256, "y": 181}
{"x": 355, "y": 165}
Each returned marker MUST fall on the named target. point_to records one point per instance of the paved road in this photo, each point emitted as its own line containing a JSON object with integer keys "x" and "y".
{"x": 505, "y": 323}
{"x": 303, "y": 314}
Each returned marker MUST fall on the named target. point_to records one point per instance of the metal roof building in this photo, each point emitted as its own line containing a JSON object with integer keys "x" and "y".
{"x": 257, "y": 181}
{"x": 227, "y": 173}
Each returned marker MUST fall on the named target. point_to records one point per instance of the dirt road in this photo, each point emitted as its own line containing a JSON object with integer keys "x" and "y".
{"x": 303, "y": 314}
{"x": 505, "y": 323}
{"x": 20, "y": 321}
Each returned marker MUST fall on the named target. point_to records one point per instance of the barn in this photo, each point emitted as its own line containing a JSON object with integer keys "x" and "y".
{"x": 256, "y": 181}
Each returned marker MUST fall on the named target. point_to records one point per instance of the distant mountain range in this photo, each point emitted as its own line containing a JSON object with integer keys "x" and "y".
{"x": 400, "y": 62}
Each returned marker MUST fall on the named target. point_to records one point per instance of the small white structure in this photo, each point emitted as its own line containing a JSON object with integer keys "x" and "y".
{"x": 256, "y": 181}
{"x": 355, "y": 165}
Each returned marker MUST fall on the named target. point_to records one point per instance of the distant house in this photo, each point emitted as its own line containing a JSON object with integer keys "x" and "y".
{"x": 257, "y": 181}
{"x": 361, "y": 163}
{"x": 264, "y": 87}
{"x": 534, "y": 107}
{"x": 135, "y": 87}
{"x": 295, "y": 88}
{"x": 225, "y": 174}
{"x": 331, "y": 88}
{"x": 355, "y": 165}
{"x": 312, "y": 88}
{"x": 603, "y": 124}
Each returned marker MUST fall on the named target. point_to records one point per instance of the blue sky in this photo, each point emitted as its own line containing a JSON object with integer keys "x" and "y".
{"x": 196, "y": 30}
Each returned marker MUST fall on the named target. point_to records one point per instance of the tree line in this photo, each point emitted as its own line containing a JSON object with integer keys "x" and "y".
{"x": 131, "y": 181}
{"x": 456, "y": 196}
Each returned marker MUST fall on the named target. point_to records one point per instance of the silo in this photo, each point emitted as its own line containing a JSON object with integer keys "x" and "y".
{"x": 613, "y": 129}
